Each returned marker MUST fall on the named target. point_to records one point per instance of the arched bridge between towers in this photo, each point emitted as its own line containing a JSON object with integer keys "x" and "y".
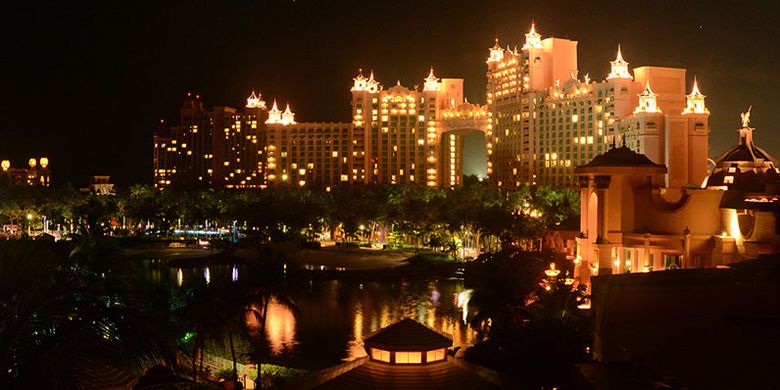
{"x": 454, "y": 125}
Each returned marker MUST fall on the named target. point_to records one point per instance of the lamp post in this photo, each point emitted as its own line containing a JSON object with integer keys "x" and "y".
{"x": 29, "y": 224}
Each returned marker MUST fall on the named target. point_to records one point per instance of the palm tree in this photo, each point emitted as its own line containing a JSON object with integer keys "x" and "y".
{"x": 65, "y": 306}
{"x": 270, "y": 285}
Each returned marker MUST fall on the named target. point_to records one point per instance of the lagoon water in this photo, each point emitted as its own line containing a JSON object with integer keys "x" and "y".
{"x": 335, "y": 315}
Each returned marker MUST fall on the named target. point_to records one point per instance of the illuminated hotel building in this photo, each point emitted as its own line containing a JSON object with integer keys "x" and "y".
{"x": 545, "y": 120}
{"x": 36, "y": 173}
{"x": 635, "y": 219}
{"x": 398, "y": 135}
{"x": 414, "y": 136}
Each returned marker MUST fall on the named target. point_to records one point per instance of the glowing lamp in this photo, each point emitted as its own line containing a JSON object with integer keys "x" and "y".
{"x": 5, "y": 165}
{"x": 44, "y": 162}
{"x": 552, "y": 272}
{"x": 32, "y": 163}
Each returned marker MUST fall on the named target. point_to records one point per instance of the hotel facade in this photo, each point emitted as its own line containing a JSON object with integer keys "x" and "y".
{"x": 541, "y": 120}
{"x": 545, "y": 119}
{"x": 397, "y": 135}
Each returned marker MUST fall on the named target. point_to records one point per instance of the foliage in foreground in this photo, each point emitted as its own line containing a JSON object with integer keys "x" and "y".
{"x": 526, "y": 330}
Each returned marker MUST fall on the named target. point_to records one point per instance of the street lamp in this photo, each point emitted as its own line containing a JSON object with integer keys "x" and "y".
{"x": 29, "y": 224}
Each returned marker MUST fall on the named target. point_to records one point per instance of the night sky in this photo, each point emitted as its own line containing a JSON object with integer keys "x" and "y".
{"x": 86, "y": 85}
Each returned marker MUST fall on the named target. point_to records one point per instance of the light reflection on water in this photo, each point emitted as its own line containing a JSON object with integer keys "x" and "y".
{"x": 333, "y": 316}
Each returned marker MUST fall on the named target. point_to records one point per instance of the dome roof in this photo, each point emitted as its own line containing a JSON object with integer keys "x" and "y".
{"x": 742, "y": 153}
{"x": 621, "y": 157}
{"x": 744, "y": 167}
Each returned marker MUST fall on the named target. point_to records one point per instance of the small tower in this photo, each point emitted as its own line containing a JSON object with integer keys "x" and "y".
{"x": 619, "y": 67}
{"x": 288, "y": 117}
{"x": 360, "y": 82}
{"x": 648, "y": 101}
{"x": 274, "y": 115}
{"x": 431, "y": 83}
{"x": 372, "y": 86}
{"x": 496, "y": 54}
{"x": 533, "y": 40}
{"x": 695, "y": 101}
{"x": 255, "y": 100}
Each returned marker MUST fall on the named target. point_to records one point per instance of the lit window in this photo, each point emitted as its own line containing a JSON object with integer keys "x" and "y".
{"x": 382, "y": 356}
{"x": 408, "y": 357}
{"x": 434, "y": 356}
{"x": 728, "y": 180}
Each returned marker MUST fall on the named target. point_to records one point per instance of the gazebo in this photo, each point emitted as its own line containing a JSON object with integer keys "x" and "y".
{"x": 404, "y": 355}
{"x": 407, "y": 342}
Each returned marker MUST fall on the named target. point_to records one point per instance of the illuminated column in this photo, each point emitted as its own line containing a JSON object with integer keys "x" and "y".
{"x": 534, "y": 52}
{"x": 622, "y": 83}
{"x": 361, "y": 162}
{"x": 652, "y": 134}
{"x": 697, "y": 116}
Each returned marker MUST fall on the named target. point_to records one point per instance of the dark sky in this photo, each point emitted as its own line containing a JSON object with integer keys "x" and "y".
{"x": 85, "y": 85}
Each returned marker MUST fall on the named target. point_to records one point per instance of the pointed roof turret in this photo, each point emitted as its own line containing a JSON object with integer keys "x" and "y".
{"x": 648, "y": 101}
{"x": 619, "y": 67}
{"x": 533, "y": 40}
{"x": 274, "y": 115}
{"x": 695, "y": 101}
{"x": 288, "y": 117}
{"x": 360, "y": 81}
{"x": 255, "y": 100}
{"x": 431, "y": 82}
{"x": 496, "y": 53}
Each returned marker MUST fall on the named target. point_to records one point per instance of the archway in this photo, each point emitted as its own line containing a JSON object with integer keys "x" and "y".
{"x": 462, "y": 151}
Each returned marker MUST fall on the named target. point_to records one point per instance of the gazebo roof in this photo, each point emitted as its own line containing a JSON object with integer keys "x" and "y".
{"x": 407, "y": 335}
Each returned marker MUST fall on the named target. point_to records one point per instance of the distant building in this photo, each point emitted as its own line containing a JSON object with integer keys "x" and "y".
{"x": 542, "y": 119}
{"x": 36, "y": 173}
{"x": 398, "y": 135}
{"x": 100, "y": 185}
{"x": 545, "y": 119}
{"x": 635, "y": 219}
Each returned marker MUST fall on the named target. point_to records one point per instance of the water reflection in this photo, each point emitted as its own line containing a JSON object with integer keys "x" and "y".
{"x": 280, "y": 327}
{"x": 333, "y": 316}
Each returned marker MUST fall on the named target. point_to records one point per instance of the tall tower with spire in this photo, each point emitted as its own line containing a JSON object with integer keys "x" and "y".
{"x": 432, "y": 83}
{"x": 536, "y": 60}
{"x": 619, "y": 67}
{"x": 697, "y": 118}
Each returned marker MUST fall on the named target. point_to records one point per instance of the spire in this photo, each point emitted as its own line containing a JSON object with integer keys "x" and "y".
{"x": 647, "y": 101}
{"x": 274, "y": 115}
{"x": 288, "y": 117}
{"x": 496, "y": 53}
{"x": 360, "y": 82}
{"x": 619, "y": 55}
{"x": 255, "y": 100}
{"x": 431, "y": 82}
{"x": 533, "y": 40}
{"x": 695, "y": 101}
{"x": 619, "y": 67}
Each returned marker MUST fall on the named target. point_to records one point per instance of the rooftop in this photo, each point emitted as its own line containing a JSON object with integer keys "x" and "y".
{"x": 621, "y": 157}
{"x": 408, "y": 334}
